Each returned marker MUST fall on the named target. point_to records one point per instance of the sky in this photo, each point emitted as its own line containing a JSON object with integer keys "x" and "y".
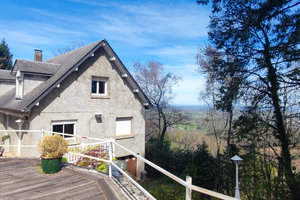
{"x": 170, "y": 32}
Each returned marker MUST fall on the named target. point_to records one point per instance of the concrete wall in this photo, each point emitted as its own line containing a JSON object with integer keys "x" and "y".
{"x": 73, "y": 101}
{"x": 31, "y": 82}
{"x": 7, "y": 122}
{"x": 5, "y": 86}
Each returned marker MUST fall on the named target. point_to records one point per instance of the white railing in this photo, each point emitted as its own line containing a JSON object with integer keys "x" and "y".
{"x": 109, "y": 146}
{"x": 74, "y": 151}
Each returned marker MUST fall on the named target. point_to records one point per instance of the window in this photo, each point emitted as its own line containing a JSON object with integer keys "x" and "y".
{"x": 68, "y": 127}
{"x": 99, "y": 86}
{"x": 123, "y": 126}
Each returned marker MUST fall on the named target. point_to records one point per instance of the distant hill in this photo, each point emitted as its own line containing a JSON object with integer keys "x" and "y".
{"x": 191, "y": 108}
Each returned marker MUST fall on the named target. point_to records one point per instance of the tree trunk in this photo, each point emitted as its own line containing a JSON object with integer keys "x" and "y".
{"x": 164, "y": 129}
{"x": 280, "y": 133}
{"x": 229, "y": 128}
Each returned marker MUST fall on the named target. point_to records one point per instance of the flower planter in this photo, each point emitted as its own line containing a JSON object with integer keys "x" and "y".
{"x": 51, "y": 165}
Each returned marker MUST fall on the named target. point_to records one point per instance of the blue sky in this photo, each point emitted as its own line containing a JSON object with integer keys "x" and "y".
{"x": 139, "y": 31}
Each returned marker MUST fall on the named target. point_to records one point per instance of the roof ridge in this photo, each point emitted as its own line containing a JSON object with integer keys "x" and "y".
{"x": 40, "y": 62}
{"x": 78, "y": 49}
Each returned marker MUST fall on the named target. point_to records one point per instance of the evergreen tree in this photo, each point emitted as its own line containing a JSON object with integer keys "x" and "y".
{"x": 264, "y": 36}
{"x": 5, "y": 56}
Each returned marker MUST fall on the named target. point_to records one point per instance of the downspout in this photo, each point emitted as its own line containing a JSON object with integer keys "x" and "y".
{"x": 20, "y": 122}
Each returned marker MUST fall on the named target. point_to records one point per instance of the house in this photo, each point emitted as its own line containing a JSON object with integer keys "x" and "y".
{"x": 84, "y": 92}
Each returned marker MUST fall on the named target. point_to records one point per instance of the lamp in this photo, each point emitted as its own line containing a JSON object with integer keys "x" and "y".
{"x": 98, "y": 115}
{"x": 237, "y": 160}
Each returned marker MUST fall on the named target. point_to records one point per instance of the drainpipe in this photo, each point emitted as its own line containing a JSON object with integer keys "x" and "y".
{"x": 20, "y": 122}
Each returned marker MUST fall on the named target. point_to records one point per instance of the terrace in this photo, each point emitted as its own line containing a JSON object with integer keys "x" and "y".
{"x": 22, "y": 178}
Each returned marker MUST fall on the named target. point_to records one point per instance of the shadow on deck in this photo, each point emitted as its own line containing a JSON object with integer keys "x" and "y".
{"x": 23, "y": 179}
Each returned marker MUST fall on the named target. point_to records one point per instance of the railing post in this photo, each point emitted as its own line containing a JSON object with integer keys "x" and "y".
{"x": 43, "y": 133}
{"x": 113, "y": 149}
{"x": 188, "y": 193}
{"x": 110, "y": 159}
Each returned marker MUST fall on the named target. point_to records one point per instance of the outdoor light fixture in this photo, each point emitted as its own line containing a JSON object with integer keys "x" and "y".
{"x": 237, "y": 160}
{"x": 98, "y": 115}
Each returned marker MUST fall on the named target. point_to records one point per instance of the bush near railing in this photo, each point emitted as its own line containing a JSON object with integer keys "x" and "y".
{"x": 52, "y": 146}
{"x": 93, "y": 151}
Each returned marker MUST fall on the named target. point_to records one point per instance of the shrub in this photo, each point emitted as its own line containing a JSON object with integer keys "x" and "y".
{"x": 97, "y": 152}
{"x": 52, "y": 146}
{"x": 5, "y": 137}
{"x": 64, "y": 159}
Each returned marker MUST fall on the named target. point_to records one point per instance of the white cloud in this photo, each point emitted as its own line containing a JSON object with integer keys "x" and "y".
{"x": 150, "y": 24}
{"x": 166, "y": 30}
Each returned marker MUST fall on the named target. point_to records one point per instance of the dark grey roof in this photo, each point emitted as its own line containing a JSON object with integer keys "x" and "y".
{"x": 64, "y": 65}
{"x": 27, "y": 66}
{"x": 5, "y": 75}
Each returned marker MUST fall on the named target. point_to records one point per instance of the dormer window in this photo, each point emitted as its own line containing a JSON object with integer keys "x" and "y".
{"x": 19, "y": 85}
{"x": 99, "y": 86}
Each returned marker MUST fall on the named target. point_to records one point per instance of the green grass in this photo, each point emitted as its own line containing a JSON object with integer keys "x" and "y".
{"x": 188, "y": 126}
{"x": 164, "y": 189}
{"x": 167, "y": 189}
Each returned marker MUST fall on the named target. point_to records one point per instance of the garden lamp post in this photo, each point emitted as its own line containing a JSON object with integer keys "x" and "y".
{"x": 237, "y": 160}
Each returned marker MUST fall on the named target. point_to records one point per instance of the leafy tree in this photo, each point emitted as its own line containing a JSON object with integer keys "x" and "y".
{"x": 264, "y": 36}
{"x": 157, "y": 85}
{"x": 5, "y": 56}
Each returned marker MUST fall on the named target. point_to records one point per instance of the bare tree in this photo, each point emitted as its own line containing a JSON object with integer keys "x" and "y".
{"x": 157, "y": 85}
{"x": 74, "y": 45}
{"x": 208, "y": 60}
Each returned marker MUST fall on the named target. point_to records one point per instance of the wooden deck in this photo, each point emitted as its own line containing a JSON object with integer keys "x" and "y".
{"x": 23, "y": 179}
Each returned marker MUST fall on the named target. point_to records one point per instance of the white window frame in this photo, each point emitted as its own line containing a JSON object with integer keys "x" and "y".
{"x": 98, "y": 79}
{"x": 64, "y": 123}
{"x": 118, "y": 135}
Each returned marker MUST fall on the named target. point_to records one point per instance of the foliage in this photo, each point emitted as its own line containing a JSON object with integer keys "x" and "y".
{"x": 260, "y": 179}
{"x": 93, "y": 151}
{"x": 201, "y": 167}
{"x": 159, "y": 154}
{"x": 52, "y": 146}
{"x": 5, "y": 56}
{"x": 101, "y": 167}
{"x": 260, "y": 40}
{"x": 199, "y": 164}
{"x": 5, "y": 137}
{"x": 164, "y": 188}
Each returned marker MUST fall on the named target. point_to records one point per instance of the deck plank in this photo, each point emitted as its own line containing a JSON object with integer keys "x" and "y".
{"x": 22, "y": 179}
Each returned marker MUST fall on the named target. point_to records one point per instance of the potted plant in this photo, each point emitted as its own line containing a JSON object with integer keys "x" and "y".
{"x": 4, "y": 138}
{"x": 52, "y": 148}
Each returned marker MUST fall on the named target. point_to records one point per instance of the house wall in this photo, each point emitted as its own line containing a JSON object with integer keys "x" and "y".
{"x": 5, "y": 86}
{"x": 31, "y": 82}
{"x": 7, "y": 122}
{"x": 73, "y": 101}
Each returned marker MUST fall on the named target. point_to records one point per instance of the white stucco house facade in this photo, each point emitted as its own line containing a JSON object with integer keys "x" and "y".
{"x": 84, "y": 92}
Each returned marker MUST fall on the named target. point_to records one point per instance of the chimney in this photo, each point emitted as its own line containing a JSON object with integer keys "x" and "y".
{"x": 38, "y": 55}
